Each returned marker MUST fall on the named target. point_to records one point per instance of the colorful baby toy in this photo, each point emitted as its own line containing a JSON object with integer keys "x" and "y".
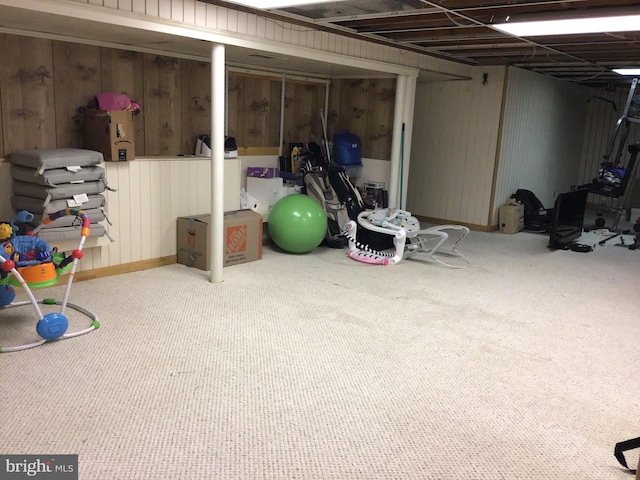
{"x": 29, "y": 262}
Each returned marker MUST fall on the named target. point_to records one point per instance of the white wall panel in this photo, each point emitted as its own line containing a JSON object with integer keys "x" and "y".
{"x": 278, "y": 32}
{"x": 232, "y": 21}
{"x": 200, "y": 14}
{"x": 332, "y": 42}
{"x": 177, "y": 11}
{"x": 90, "y": 260}
{"x": 454, "y": 148}
{"x": 303, "y": 37}
{"x": 153, "y": 8}
{"x": 133, "y": 220}
{"x": 357, "y": 48}
{"x": 242, "y": 21}
{"x": 113, "y": 211}
{"x": 139, "y": 6}
{"x": 150, "y": 195}
{"x": 190, "y": 12}
{"x": 270, "y": 30}
{"x": 350, "y": 47}
{"x": 126, "y": 5}
{"x": 286, "y": 34}
{"x": 212, "y": 16}
{"x": 157, "y": 204}
{"x": 261, "y": 27}
{"x": 142, "y": 219}
{"x": 127, "y": 209}
{"x": 542, "y": 137}
{"x": 324, "y": 41}
{"x": 164, "y": 9}
{"x": 295, "y": 35}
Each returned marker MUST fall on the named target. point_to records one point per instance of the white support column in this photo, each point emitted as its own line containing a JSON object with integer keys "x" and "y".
{"x": 283, "y": 91}
{"x": 409, "y": 108}
{"x": 398, "y": 119}
{"x": 216, "y": 239}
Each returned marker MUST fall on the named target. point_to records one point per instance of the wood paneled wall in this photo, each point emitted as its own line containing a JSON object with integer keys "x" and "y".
{"x": 365, "y": 107}
{"x": 27, "y": 93}
{"x": 44, "y": 83}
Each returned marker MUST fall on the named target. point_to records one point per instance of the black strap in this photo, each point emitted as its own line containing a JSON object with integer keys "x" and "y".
{"x": 622, "y": 447}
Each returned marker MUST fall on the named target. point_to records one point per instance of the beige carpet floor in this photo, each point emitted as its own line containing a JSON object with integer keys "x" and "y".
{"x": 522, "y": 366}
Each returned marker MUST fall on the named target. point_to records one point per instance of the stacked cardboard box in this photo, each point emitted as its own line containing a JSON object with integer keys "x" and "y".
{"x": 110, "y": 133}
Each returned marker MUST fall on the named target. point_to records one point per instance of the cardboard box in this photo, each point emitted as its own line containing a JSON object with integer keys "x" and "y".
{"x": 511, "y": 217}
{"x": 262, "y": 172}
{"x": 110, "y": 132}
{"x": 242, "y": 239}
{"x": 266, "y": 191}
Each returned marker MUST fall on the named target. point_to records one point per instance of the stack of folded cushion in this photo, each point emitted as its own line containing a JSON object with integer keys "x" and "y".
{"x": 48, "y": 180}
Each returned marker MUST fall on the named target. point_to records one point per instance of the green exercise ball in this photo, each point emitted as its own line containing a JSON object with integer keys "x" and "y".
{"x": 297, "y": 223}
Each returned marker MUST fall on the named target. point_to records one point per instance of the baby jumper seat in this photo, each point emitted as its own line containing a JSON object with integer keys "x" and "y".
{"x": 28, "y": 261}
{"x": 409, "y": 239}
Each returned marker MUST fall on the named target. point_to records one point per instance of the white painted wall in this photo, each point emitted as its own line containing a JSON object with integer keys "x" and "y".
{"x": 463, "y": 167}
{"x": 374, "y": 171}
{"x": 455, "y": 138}
{"x": 542, "y": 137}
{"x": 150, "y": 195}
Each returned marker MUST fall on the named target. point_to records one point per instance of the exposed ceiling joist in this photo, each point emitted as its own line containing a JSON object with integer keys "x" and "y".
{"x": 463, "y": 31}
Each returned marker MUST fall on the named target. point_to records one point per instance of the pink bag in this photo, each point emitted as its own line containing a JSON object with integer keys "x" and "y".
{"x": 116, "y": 101}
